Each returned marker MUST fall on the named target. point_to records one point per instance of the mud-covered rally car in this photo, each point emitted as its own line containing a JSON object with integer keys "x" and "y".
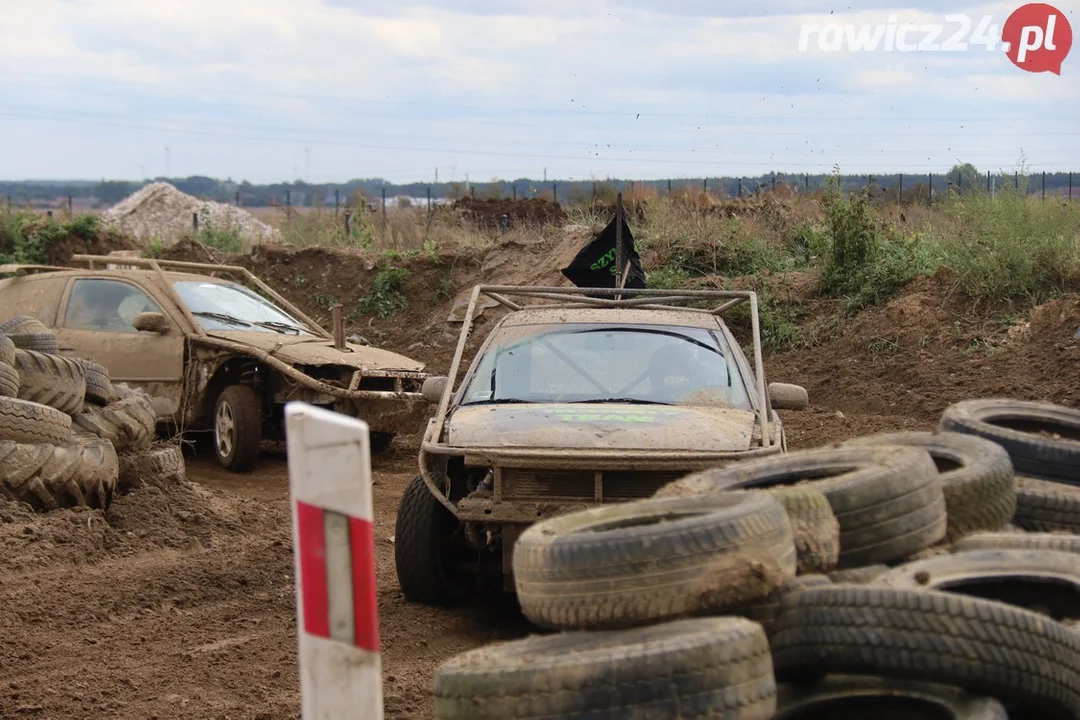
{"x": 217, "y": 354}
{"x": 586, "y": 396}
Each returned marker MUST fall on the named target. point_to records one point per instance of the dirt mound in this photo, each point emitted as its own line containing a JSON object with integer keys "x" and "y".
{"x": 924, "y": 350}
{"x": 504, "y": 214}
{"x": 160, "y": 211}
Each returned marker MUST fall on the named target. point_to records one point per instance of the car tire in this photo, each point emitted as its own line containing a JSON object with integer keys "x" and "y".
{"x": 850, "y": 696}
{"x": 888, "y": 500}
{"x": 48, "y": 477}
{"x": 158, "y": 465}
{"x": 51, "y": 380}
{"x": 126, "y": 423}
{"x": 1044, "y": 506}
{"x": 9, "y": 380}
{"x": 766, "y": 610}
{"x": 7, "y": 351}
{"x": 381, "y": 442}
{"x": 1018, "y": 541}
{"x": 976, "y": 477}
{"x": 29, "y": 422}
{"x": 814, "y": 528}
{"x": 693, "y": 668}
{"x": 628, "y": 564}
{"x": 1015, "y": 424}
{"x": 420, "y": 550}
{"x": 28, "y": 333}
{"x": 926, "y": 635}
{"x": 99, "y": 387}
{"x": 859, "y": 575}
{"x": 238, "y": 428}
{"x": 1043, "y": 581}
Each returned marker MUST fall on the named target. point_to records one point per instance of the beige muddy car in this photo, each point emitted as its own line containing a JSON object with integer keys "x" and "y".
{"x": 218, "y": 355}
{"x": 572, "y": 401}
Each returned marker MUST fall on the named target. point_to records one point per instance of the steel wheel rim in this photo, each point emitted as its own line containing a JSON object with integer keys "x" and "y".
{"x": 224, "y": 429}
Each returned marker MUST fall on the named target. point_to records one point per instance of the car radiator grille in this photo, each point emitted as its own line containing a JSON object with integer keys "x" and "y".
{"x": 615, "y": 485}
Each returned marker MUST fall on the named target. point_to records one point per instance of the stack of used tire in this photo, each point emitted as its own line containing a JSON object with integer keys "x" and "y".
{"x": 889, "y": 576}
{"x": 67, "y": 434}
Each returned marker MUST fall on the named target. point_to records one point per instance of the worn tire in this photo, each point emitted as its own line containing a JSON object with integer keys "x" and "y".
{"x": 22, "y": 325}
{"x": 814, "y": 527}
{"x": 127, "y": 423}
{"x": 859, "y": 575}
{"x": 46, "y": 477}
{"x": 635, "y": 563}
{"x": 1015, "y": 424}
{"x": 846, "y": 697}
{"x": 1043, "y": 506}
{"x": 767, "y": 609}
{"x": 39, "y": 342}
{"x": 888, "y": 500}
{"x": 1019, "y": 541}
{"x": 245, "y": 408}
{"x": 419, "y": 551}
{"x": 693, "y": 668}
{"x": 7, "y": 351}
{"x": 976, "y": 476}
{"x": 9, "y": 381}
{"x": 98, "y": 471}
{"x": 1044, "y": 581}
{"x": 984, "y": 646}
{"x": 29, "y": 422}
{"x": 51, "y": 380}
{"x": 158, "y": 464}
{"x": 99, "y": 388}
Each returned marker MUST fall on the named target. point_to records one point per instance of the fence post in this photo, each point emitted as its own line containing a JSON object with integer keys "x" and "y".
{"x": 348, "y": 224}
{"x": 806, "y": 184}
{"x": 1016, "y": 179}
{"x": 236, "y": 197}
{"x": 1070, "y": 185}
{"x": 337, "y": 202}
{"x": 705, "y": 185}
{"x": 740, "y": 187}
{"x": 384, "y": 211}
{"x": 49, "y": 214}
{"x": 987, "y": 181}
{"x": 774, "y": 182}
{"x": 669, "y": 187}
{"x": 555, "y": 192}
{"x": 195, "y": 222}
{"x": 900, "y": 195}
{"x": 288, "y": 198}
{"x": 329, "y": 456}
{"x": 1044, "y": 185}
{"x": 71, "y": 207}
{"x": 515, "y": 191}
{"x": 929, "y": 189}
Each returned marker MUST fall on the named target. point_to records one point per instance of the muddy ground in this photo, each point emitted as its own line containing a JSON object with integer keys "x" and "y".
{"x": 179, "y": 603}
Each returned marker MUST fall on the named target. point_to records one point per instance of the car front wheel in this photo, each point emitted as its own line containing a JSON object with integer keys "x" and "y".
{"x": 426, "y": 536}
{"x": 237, "y": 428}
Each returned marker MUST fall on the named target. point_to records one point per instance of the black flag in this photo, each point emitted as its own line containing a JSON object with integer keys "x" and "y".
{"x": 595, "y": 265}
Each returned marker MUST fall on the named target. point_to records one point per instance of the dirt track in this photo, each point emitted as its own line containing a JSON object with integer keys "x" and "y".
{"x": 183, "y": 607}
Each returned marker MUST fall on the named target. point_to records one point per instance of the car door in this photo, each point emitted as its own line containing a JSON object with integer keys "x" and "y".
{"x": 94, "y": 322}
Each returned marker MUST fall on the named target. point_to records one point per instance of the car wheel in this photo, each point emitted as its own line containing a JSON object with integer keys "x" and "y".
{"x": 237, "y": 428}
{"x": 423, "y": 538}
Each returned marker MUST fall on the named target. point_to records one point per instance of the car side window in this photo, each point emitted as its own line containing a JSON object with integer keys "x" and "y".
{"x": 106, "y": 306}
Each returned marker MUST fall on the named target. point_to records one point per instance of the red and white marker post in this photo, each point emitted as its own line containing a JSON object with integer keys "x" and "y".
{"x": 333, "y": 541}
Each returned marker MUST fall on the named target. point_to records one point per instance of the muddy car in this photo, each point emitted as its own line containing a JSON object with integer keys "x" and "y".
{"x": 219, "y": 355}
{"x": 573, "y": 401}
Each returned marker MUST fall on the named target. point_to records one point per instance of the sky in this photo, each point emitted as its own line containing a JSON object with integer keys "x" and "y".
{"x": 328, "y": 90}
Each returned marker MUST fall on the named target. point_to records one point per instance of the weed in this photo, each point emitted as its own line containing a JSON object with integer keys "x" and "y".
{"x": 225, "y": 239}
{"x": 881, "y": 345}
{"x": 155, "y": 248}
{"x": 386, "y": 296}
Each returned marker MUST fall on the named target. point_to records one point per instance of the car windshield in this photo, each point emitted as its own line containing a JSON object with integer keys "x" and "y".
{"x": 224, "y": 306}
{"x": 597, "y": 363}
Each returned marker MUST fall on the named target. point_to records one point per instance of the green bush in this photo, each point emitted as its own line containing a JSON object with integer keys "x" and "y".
{"x": 386, "y": 296}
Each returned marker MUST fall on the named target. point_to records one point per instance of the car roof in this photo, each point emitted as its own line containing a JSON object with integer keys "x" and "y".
{"x": 618, "y": 316}
{"x": 118, "y": 274}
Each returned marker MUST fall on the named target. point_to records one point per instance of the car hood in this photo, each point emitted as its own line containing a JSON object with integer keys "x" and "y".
{"x": 308, "y": 350}
{"x": 608, "y": 425}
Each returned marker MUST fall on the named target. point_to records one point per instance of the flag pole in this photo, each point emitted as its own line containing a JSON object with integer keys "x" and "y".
{"x": 618, "y": 244}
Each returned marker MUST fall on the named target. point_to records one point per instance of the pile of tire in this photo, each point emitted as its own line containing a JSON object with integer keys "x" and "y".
{"x": 68, "y": 436}
{"x": 887, "y": 576}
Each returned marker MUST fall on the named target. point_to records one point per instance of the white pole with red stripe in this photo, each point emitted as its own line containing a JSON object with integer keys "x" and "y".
{"x": 337, "y": 612}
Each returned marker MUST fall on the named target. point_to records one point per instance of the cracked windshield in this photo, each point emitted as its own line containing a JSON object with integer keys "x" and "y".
{"x": 584, "y": 363}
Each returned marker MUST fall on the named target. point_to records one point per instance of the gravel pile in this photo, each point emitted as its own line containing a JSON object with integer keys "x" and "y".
{"x": 160, "y": 210}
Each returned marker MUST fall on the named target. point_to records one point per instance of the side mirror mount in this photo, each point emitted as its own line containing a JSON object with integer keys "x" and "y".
{"x": 153, "y": 322}
{"x": 783, "y": 396}
{"x": 433, "y": 388}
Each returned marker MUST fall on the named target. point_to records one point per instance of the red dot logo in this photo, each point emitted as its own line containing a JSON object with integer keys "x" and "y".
{"x": 1037, "y": 38}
